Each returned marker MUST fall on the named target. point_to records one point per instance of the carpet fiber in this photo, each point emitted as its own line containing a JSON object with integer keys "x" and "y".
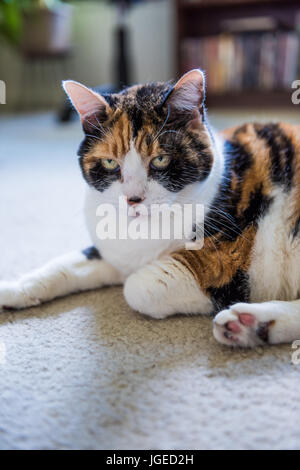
{"x": 86, "y": 371}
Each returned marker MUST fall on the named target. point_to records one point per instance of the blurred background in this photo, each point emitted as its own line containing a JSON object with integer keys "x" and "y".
{"x": 98, "y": 42}
{"x": 86, "y": 372}
{"x": 250, "y": 49}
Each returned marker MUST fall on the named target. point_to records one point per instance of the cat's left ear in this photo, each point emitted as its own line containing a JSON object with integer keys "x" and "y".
{"x": 188, "y": 93}
{"x": 86, "y": 102}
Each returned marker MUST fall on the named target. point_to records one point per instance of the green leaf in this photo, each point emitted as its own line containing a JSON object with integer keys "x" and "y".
{"x": 10, "y": 20}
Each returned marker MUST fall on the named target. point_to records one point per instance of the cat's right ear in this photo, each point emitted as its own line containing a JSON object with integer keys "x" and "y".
{"x": 86, "y": 102}
{"x": 188, "y": 93}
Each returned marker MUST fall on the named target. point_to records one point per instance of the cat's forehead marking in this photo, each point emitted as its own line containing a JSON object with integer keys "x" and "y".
{"x": 118, "y": 141}
{"x": 146, "y": 144}
{"x": 122, "y": 136}
{"x": 148, "y": 140}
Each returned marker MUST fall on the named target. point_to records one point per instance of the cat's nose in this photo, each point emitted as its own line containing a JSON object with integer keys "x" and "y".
{"x": 134, "y": 200}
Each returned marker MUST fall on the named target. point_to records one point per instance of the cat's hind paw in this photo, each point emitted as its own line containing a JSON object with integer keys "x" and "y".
{"x": 13, "y": 297}
{"x": 243, "y": 325}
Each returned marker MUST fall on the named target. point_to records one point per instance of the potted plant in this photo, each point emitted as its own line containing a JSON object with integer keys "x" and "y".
{"x": 39, "y": 27}
{"x": 46, "y": 27}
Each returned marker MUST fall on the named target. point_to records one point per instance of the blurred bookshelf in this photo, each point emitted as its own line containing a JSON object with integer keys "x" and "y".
{"x": 249, "y": 49}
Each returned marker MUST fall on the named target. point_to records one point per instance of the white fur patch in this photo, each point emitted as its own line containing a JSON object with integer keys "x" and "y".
{"x": 274, "y": 272}
{"x": 64, "y": 275}
{"x": 165, "y": 288}
{"x": 134, "y": 175}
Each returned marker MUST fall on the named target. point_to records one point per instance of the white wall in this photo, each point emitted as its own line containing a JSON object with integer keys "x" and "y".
{"x": 152, "y": 46}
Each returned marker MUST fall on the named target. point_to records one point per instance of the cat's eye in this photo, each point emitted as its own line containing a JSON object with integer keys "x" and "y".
{"x": 110, "y": 164}
{"x": 160, "y": 162}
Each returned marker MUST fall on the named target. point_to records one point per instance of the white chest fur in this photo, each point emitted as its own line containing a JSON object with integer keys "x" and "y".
{"x": 275, "y": 268}
{"x": 126, "y": 255}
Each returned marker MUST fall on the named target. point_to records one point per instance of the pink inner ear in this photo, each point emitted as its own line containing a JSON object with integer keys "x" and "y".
{"x": 194, "y": 77}
{"x": 188, "y": 91}
{"x": 84, "y": 100}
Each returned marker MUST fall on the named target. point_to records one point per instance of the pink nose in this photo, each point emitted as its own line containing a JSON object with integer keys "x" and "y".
{"x": 134, "y": 200}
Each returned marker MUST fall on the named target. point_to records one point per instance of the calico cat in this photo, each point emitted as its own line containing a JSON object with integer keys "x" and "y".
{"x": 153, "y": 144}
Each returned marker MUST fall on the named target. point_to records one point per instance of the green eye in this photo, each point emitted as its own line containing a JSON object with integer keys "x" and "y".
{"x": 109, "y": 164}
{"x": 160, "y": 162}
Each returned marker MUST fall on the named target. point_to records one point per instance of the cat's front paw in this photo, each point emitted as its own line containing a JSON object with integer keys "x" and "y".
{"x": 244, "y": 325}
{"x": 147, "y": 294}
{"x": 13, "y": 296}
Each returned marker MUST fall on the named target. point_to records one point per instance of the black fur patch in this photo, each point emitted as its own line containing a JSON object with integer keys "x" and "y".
{"x": 153, "y": 96}
{"x": 91, "y": 253}
{"x": 237, "y": 290}
{"x": 228, "y": 221}
{"x": 225, "y": 221}
{"x": 86, "y": 145}
{"x": 191, "y": 161}
{"x": 281, "y": 153}
{"x": 99, "y": 177}
{"x": 296, "y": 229}
{"x": 240, "y": 159}
{"x": 177, "y": 175}
{"x": 263, "y": 331}
{"x": 258, "y": 206}
{"x": 136, "y": 116}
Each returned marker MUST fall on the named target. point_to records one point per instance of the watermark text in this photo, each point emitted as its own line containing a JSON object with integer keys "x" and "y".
{"x": 296, "y": 93}
{"x": 2, "y": 92}
{"x": 157, "y": 222}
{"x": 296, "y": 352}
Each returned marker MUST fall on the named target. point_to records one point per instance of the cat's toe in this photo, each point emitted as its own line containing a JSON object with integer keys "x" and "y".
{"x": 241, "y": 326}
{"x": 6, "y": 296}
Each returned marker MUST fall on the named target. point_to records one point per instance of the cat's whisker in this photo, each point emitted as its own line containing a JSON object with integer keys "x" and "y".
{"x": 169, "y": 131}
{"x": 93, "y": 136}
{"x": 219, "y": 211}
{"x": 93, "y": 125}
{"x": 210, "y": 239}
{"x": 222, "y": 224}
{"x": 99, "y": 124}
{"x": 162, "y": 127}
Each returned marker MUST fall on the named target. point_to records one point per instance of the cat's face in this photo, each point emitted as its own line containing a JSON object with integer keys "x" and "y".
{"x": 148, "y": 143}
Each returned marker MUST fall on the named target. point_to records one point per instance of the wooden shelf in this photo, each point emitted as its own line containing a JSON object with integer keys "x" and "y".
{"x": 251, "y": 99}
{"x": 201, "y": 4}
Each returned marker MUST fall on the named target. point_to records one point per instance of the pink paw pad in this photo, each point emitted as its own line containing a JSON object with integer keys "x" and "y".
{"x": 233, "y": 326}
{"x": 247, "y": 319}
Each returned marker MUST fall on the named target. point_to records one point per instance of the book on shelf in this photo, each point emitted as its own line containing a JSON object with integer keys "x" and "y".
{"x": 250, "y": 60}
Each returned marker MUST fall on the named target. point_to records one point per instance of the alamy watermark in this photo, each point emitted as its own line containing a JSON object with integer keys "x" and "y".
{"x": 296, "y": 93}
{"x": 2, "y": 353}
{"x": 183, "y": 222}
{"x": 295, "y": 357}
{"x": 2, "y": 92}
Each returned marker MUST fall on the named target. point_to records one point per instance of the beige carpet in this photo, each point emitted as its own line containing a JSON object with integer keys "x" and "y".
{"x": 87, "y": 372}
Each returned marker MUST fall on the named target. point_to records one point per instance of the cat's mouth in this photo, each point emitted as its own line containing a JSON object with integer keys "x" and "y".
{"x": 138, "y": 210}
